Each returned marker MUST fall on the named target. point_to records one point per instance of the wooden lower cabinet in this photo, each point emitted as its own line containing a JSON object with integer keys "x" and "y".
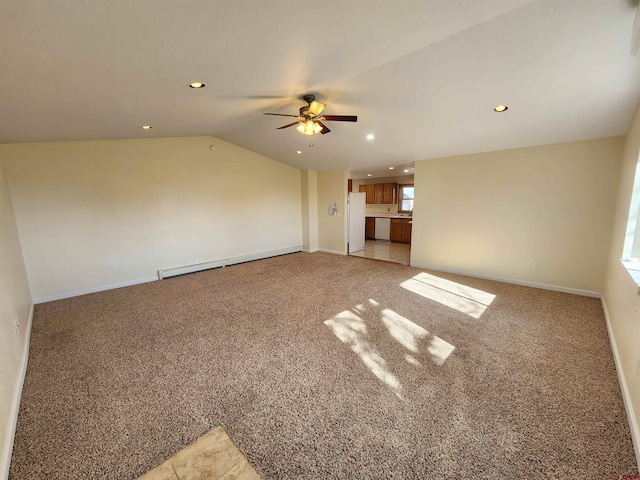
{"x": 396, "y": 230}
{"x": 406, "y": 231}
{"x": 401, "y": 230}
{"x": 370, "y": 228}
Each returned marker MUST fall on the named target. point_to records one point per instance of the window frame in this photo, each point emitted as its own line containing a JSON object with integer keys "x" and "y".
{"x": 400, "y": 187}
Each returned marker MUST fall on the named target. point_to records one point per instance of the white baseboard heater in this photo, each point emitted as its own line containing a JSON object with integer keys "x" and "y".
{"x": 198, "y": 267}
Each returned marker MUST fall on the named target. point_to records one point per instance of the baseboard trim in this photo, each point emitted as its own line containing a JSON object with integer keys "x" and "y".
{"x": 309, "y": 250}
{"x": 171, "y": 272}
{"x": 622, "y": 380}
{"x": 224, "y": 262}
{"x": 543, "y": 286}
{"x": 335, "y": 252}
{"x": 94, "y": 290}
{"x": 15, "y": 406}
{"x": 262, "y": 255}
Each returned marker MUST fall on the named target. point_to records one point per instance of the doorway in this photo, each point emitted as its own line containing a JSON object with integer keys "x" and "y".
{"x": 386, "y": 251}
{"x": 389, "y": 215}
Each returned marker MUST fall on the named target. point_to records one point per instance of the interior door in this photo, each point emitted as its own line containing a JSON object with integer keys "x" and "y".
{"x": 356, "y": 207}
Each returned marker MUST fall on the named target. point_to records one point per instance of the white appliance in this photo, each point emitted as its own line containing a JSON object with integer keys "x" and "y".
{"x": 356, "y": 205}
{"x": 383, "y": 228}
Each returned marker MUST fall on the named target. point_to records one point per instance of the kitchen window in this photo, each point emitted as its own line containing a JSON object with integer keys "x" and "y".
{"x": 405, "y": 198}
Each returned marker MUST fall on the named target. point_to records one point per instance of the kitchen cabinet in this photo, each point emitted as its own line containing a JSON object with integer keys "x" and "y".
{"x": 396, "y": 230}
{"x": 389, "y": 193}
{"x": 370, "y": 228}
{"x": 401, "y": 230}
{"x": 380, "y": 193}
{"x": 406, "y": 231}
{"x": 370, "y": 191}
{"x": 371, "y": 196}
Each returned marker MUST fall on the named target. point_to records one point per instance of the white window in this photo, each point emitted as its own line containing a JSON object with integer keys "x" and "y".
{"x": 631, "y": 250}
{"x": 405, "y": 198}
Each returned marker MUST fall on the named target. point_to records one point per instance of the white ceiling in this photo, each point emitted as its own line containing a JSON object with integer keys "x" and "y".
{"x": 422, "y": 75}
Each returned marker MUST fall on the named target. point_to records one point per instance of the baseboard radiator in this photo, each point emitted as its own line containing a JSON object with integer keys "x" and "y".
{"x": 224, "y": 262}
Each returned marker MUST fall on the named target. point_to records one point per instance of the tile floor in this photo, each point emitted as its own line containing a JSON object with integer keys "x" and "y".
{"x": 387, "y": 251}
{"x": 212, "y": 457}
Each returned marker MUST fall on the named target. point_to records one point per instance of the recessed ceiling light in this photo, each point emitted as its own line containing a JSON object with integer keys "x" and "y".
{"x": 299, "y": 152}
{"x": 368, "y": 174}
{"x": 406, "y": 170}
{"x": 371, "y": 136}
{"x": 197, "y": 85}
{"x": 391, "y": 168}
{"x": 501, "y": 108}
{"x": 146, "y": 127}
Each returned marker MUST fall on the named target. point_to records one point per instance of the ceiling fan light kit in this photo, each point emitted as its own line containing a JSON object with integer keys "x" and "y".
{"x": 309, "y": 127}
{"x": 309, "y": 121}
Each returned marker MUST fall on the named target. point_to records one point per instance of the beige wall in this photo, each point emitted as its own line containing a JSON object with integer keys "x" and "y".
{"x": 621, "y": 292}
{"x": 332, "y": 229}
{"x": 15, "y": 300}
{"x": 309, "y": 194}
{"x": 498, "y": 213}
{"x": 383, "y": 208}
{"x": 94, "y": 214}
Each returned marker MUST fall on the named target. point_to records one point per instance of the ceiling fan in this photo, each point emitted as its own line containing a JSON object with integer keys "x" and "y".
{"x": 310, "y": 121}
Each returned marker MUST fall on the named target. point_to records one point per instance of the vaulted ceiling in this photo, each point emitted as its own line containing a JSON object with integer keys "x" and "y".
{"x": 422, "y": 75}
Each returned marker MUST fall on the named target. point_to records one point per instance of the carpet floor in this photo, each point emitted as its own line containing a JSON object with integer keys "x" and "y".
{"x": 325, "y": 367}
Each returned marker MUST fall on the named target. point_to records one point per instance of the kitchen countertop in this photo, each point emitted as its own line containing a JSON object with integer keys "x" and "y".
{"x": 387, "y": 215}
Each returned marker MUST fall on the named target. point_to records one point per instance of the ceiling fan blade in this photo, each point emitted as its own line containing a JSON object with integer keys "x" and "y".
{"x": 287, "y": 126}
{"x": 340, "y": 118}
{"x": 281, "y": 115}
{"x": 316, "y": 108}
{"x": 325, "y": 129}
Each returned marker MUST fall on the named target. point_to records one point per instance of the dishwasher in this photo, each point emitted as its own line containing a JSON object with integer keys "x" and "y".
{"x": 383, "y": 228}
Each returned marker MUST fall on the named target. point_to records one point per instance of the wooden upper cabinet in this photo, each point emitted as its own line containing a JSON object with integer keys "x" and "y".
{"x": 365, "y": 189}
{"x": 371, "y": 195}
{"x": 379, "y": 192}
{"x": 390, "y": 193}
{"x": 382, "y": 193}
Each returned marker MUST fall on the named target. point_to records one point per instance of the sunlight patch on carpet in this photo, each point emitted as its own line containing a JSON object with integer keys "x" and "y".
{"x": 409, "y": 334}
{"x": 462, "y": 298}
{"x": 351, "y": 330}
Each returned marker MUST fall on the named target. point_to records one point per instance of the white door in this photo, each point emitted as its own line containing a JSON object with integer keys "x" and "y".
{"x": 356, "y": 207}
